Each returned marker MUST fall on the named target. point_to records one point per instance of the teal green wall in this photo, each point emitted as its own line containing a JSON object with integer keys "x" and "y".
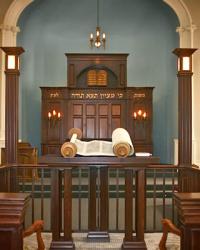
{"x": 146, "y": 29}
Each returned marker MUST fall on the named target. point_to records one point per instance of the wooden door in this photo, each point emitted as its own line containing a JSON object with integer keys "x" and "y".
{"x": 96, "y": 119}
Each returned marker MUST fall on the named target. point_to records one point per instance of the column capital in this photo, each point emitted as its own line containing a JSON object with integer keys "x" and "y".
{"x": 180, "y": 29}
{"x": 6, "y": 27}
{"x": 189, "y": 28}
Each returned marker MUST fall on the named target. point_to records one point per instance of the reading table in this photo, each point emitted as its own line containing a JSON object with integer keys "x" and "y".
{"x": 129, "y": 164}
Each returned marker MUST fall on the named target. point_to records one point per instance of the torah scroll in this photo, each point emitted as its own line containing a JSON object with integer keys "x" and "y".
{"x": 69, "y": 149}
{"x": 120, "y": 146}
{"x": 121, "y": 143}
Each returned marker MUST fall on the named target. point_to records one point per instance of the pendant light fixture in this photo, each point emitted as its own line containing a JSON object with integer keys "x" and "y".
{"x": 97, "y": 39}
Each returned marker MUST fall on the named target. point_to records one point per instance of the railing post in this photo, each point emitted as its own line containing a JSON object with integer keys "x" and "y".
{"x": 56, "y": 203}
{"x": 59, "y": 242}
{"x": 129, "y": 241}
{"x": 94, "y": 232}
{"x": 92, "y": 200}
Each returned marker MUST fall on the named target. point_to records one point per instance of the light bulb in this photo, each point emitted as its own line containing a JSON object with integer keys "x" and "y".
{"x": 97, "y": 44}
{"x": 144, "y": 115}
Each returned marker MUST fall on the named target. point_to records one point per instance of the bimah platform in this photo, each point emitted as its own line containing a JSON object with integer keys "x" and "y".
{"x": 103, "y": 163}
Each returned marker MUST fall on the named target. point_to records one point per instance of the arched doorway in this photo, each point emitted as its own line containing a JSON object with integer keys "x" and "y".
{"x": 9, "y": 33}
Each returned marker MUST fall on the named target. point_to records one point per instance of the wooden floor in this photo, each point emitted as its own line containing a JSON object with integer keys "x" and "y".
{"x": 151, "y": 240}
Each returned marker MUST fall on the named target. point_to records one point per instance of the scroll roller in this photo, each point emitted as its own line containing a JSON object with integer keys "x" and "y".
{"x": 69, "y": 149}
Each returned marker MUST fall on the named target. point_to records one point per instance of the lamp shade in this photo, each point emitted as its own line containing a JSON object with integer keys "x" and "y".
{"x": 12, "y": 57}
{"x": 184, "y": 63}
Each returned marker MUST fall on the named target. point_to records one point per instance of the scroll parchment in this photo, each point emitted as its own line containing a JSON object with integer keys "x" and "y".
{"x": 121, "y": 145}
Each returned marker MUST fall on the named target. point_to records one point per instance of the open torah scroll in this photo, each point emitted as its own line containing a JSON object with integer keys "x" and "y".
{"x": 120, "y": 146}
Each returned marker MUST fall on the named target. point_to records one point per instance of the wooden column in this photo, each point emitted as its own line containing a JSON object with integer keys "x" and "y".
{"x": 188, "y": 205}
{"x": 128, "y": 207}
{"x": 12, "y": 212}
{"x": 12, "y": 104}
{"x": 56, "y": 204}
{"x": 185, "y": 119}
{"x": 140, "y": 204}
{"x": 95, "y": 233}
{"x": 184, "y": 105}
{"x": 129, "y": 241}
{"x": 68, "y": 208}
{"x": 92, "y": 200}
{"x": 59, "y": 242}
{"x": 104, "y": 199}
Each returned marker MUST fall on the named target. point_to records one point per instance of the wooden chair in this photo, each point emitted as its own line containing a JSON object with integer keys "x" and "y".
{"x": 168, "y": 226}
{"x": 37, "y": 228}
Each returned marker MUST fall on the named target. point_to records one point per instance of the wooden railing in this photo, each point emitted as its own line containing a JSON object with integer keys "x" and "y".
{"x": 160, "y": 185}
{"x": 161, "y": 182}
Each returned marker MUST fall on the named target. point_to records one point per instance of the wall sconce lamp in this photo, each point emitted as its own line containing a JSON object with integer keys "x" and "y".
{"x": 53, "y": 118}
{"x": 139, "y": 115}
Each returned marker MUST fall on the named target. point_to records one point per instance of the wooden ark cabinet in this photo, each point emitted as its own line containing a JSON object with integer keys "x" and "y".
{"x": 96, "y": 110}
{"x": 78, "y": 65}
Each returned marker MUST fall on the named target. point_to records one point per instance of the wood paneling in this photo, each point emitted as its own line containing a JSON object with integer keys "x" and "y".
{"x": 97, "y": 111}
